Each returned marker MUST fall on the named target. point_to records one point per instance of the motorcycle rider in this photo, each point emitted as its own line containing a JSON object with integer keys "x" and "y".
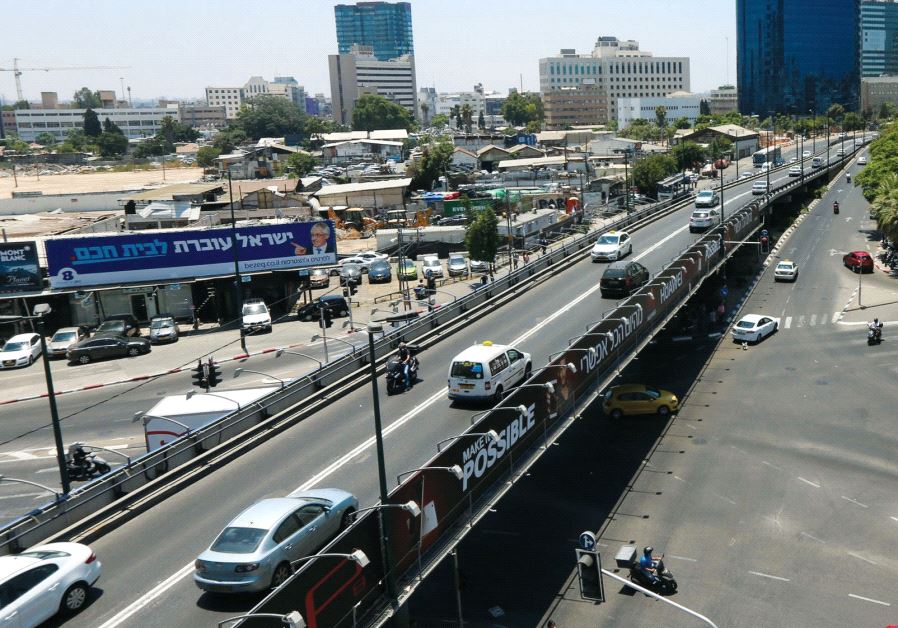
{"x": 405, "y": 358}
{"x": 875, "y": 327}
{"x": 836, "y": 206}
{"x": 648, "y": 564}
{"x": 848, "y": 177}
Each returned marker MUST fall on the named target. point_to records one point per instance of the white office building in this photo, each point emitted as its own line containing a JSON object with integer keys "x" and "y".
{"x": 231, "y": 98}
{"x": 677, "y": 105}
{"x": 619, "y": 69}
{"x": 134, "y": 123}
{"x": 360, "y": 72}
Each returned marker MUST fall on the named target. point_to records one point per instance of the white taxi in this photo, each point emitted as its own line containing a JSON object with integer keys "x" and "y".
{"x": 786, "y": 270}
{"x": 754, "y": 327}
{"x": 611, "y": 246}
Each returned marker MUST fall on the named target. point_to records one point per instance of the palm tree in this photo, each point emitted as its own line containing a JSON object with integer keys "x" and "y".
{"x": 885, "y": 205}
{"x": 467, "y": 116}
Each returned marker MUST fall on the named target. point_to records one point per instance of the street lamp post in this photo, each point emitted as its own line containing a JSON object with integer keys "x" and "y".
{"x": 627, "y": 179}
{"x": 814, "y": 127}
{"x": 768, "y": 164}
{"x": 238, "y": 280}
{"x": 240, "y": 370}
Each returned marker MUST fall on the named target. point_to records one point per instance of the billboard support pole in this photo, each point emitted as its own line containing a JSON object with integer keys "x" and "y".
{"x": 238, "y": 286}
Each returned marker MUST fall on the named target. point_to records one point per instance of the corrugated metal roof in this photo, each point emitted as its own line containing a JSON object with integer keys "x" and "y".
{"x": 169, "y": 192}
{"x": 350, "y": 188}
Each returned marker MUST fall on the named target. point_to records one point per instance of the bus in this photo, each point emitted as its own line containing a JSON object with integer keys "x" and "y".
{"x": 673, "y": 187}
{"x": 771, "y": 155}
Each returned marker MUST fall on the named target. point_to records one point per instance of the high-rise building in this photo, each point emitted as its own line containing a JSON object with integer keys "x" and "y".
{"x": 360, "y": 72}
{"x": 724, "y": 99}
{"x": 796, "y": 56}
{"x": 879, "y": 37}
{"x": 384, "y": 26}
{"x": 618, "y": 69}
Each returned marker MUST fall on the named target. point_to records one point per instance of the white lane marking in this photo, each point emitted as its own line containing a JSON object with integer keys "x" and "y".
{"x": 813, "y": 320}
{"x": 836, "y": 316}
{"x": 886, "y": 323}
{"x": 771, "y": 465}
{"x": 788, "y": 322}
{"x": 823, "y": 319}
{"x": 848, "y": 499}
{"x": 812, "y": 537}
{"x": 754, "y": 573}
{"x": 691, "y": 560}
{"x": 169, "y": 582}
{"x": 868, "y": 599}
{"x": 43, "y": 494}
{"x": 149, "y": 597}
{"x": 894, "y": 519}
{"x": 859, "y": 557}
{"x": 800, "y": 321}
{"x": 808, "y": 482}
{"x": 726, "y": 499}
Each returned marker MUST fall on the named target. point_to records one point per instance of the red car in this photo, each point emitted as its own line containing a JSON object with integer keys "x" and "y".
{"x": 858, "y": 261}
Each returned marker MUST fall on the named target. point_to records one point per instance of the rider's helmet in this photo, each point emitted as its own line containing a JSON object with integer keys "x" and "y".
{"x": 876, "y": 321}
{"x": 402, "y": 344}
{"x": 647, "y": 550}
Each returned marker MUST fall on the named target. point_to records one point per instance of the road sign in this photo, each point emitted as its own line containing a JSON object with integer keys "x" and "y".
{"x": 303, "y": 272}
{"x": 245, "y": 278}
{"x": 724, "y": 291}
{"x": 587, "y": 540}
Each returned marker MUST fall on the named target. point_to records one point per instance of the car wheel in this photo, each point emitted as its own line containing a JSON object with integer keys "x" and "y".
{"x": 663, "y": 410}
{"x": 776, "y": 327}
{"x": 83, "y": 359}
{"x": 498, "y": 396}
{"x": 347, "y": 518}
{"x": 616, "y": 413}
{"x": 74, "y": 598}
{"x": 133, "y": 351}
{"x": 528, "y": 371}
{"x": 281, "y": 573}
{"x": 758, "y": 338}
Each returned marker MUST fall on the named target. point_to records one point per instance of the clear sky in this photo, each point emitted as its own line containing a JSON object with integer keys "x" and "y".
{"x": 175, "y": 48}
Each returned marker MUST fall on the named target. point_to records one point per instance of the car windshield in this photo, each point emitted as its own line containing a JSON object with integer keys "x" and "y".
{"x": 745, "y": 324}
{"x": 111, "y": 325}
{"x": 456, "y": 260}
{"x": 238, "y": 540}
{"x": 700, "y": 214}
{"x": 62, "y": 336}
{"x": 161, "y": 323}
{"x": 15, "y": 346}
{"x": 380, "y": 265}
{"x": 467, "y": 370}
{"x": 705, "y": 194}
{"x": 608, "y": 239}
{"x": 614, "y": 273}
{"x": 785, "y": 266}
{"x": 254, "y": 308}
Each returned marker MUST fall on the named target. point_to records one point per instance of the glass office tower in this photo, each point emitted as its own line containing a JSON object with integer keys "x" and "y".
{"x": 879, "y": 38}
{"x": 795, "y": 56}
{"x": 385, "y": 26}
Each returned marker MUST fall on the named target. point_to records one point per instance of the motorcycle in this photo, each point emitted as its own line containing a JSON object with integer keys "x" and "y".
{"x": 665, "y": 584}
{"x": 848, "y": 178}
{"x": 396, "y": 374}
{"x": 835, "y": 207}
{"x": 874, "y": 335}
{"x": 84, "y": 465}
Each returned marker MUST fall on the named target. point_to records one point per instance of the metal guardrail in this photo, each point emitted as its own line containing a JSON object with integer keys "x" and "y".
{"x": 128, "y": 485}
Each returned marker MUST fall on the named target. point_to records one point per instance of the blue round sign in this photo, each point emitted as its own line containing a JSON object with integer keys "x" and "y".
{"x": 724, "y": 292}
{"x": 587, "y": 540}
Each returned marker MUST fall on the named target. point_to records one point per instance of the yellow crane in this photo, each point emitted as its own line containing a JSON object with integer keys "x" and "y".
{"x": 17, "y": 72}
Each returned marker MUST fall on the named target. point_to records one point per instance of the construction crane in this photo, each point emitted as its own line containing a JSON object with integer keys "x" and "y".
{"x": 17, "y": 72}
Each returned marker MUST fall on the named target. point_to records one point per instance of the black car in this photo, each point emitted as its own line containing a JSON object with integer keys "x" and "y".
{"x": 120, "y": 325}
{"x": 103, "y": 347}
{"x": 623, "y": 278}
{"x": 312, "y": 311}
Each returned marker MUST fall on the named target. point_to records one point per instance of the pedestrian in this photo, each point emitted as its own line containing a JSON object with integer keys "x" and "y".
{"x": 712, "y": 316}
{"x": 551, "y": 624}
{"x": 543, "y": 243}
{"x": 526, "y": 257}
{"x": 721, "y": 311}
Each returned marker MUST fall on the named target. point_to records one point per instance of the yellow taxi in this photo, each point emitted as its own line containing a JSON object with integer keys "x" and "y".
{"x": 638, "y": 399}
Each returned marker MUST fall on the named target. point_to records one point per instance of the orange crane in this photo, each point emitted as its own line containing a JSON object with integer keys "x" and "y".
{"x": 17, "y": 72}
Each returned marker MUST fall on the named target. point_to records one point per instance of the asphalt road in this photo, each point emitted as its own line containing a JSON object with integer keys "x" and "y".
{"x": 771, "y": 493}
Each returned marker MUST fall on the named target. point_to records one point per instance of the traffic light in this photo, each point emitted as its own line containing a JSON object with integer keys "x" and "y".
{"x": 214, "y": 374}
{"x": 199, "y": 375}
{"x": 589, "y": 569}
{"x": 326, "y": 319}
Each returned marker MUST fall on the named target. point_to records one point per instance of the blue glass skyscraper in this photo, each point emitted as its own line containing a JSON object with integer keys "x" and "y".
{"x": 385, "y": 26}
{"x": 796, "y": 56}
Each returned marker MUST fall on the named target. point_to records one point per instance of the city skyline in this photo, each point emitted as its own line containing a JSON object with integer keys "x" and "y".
{"x": 497, "y": 48}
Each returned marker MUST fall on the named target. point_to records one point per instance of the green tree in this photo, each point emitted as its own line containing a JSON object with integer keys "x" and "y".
{"x": 649, "y": 170}
{"x": 519, "y": 109}
{"x": 112, "y": 144}
{"x": 440, "y": 119}
{"x": 86, "y": 99}
{"x": 720, "y": 147}
{"x": 373, "y": 111}
{"x": 92, "y": 126}
{"x": 853, "y": 122}
{"x": 229, "y": 138}
{"x": 301, "y": 164}
{"x": 661, "y": 116}
{"x": 205, "y": 156}
{"x": 13, "y": 143}
{"x": 641, "y": 130}
{"x": 75, "y": 141}
{"x": 835, "y": 111}
{"x": 45, "y": 139}
{"x": 481, "y": 121}
{"x": 482, "y": 236}
{"x": 887, "y": 111}
{"x": 155, "y": 146}
{"x": 704, "y": 107}
{"x": 688, "y": 155}
{"x": 111, "y": 127}
{"x": 467, "y": 116}
{"x": 681, "y": 123}
{"x": 534, "y": 126}
{"x": 21, "y": 104}
{"x": 270, "y": 116}
{"x": 434, "y": 161}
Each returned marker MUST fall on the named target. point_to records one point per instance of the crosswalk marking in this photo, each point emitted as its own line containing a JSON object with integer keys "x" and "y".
{"x": 836, "y": 316}
{"x": 801, "y": 321}
{"x": 813, "y": 320}
{"x": 788, "y": 322}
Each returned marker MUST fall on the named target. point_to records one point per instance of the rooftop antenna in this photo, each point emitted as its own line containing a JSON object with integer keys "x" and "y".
{"x": 727, "y": 39}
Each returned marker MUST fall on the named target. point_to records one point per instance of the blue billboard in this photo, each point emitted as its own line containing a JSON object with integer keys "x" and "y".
{"x": 161, "y": 257}
{"x": 19, "y": 268}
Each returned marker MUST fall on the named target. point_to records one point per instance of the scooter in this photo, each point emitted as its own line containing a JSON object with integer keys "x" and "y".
{"x": 665, "y": 584}
{"x": 874, "y": 336}
{"x": 848, "y": 177}
{"x": 835, "y": 207}
{"x": 84, "y": 465}
{"x": 396, "y": 374}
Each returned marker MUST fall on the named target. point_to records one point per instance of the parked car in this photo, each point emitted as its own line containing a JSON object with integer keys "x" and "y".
{"x": 380, "y": 271}
{"x": 407, "y": 269}
{"x": 64, "y": 338}
{"x": 120, "y": 325}
{"x": 858, "y": 261}
{"x": 20, "y": 350}
{"x": 45, "y": 580}
{"x": 312, "y": 311}
{"x": 255, "y": 317}
{"x": 456, "y": 265}
{"x": 432, "y": 266}
{"x": 629, "y": 399}
{"x": 351, "y": 272}
{"x": 319, "y": 278}
{"x": 255, "y": 550}
{"x": 163, "y": 329}
{"x": 623, "y": 278}
{"x": 479, "y": 266}
{"x": 754, "y": 327}
{"x": 106, "y": 346}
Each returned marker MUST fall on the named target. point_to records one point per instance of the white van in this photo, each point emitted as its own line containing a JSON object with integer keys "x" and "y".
{"x": 484, "y": 371}
{"x": 256, "y": 317}
{"x": 817, "y": 162}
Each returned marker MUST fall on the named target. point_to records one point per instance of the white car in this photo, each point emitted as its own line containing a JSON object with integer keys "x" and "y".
{"x": 786, "y": 270}
{"x": 45, "y": 580}
{"x": 256, "y": 317}
{"x": 611, "y": 246}
{"x": 20, "y": 350}
{"x": 746, "y": 175}
{"x": 433, "y": 267}
{"x": 754, "y": 327}
{"x": 795, "y": 171}
{"x": 806, "y": 154}
{"x": 793, "y": 160}
{"x": 862, "y": 160}
{"x": 371, "y": 256}
{"x": 707, "y": 198}
{"x": 759, "y": 187}
{"x": 702, "y": 219}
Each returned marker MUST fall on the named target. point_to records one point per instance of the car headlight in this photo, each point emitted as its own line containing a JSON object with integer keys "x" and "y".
{"x": 246, "y": 568}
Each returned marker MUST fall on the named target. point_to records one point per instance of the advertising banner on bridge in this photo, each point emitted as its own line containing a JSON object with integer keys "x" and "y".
{"x": 19, "y": 268}
{"x": 92, "y": 261}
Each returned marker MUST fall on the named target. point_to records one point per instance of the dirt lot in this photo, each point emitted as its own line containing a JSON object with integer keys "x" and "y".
{"x": 96, "y": 181}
